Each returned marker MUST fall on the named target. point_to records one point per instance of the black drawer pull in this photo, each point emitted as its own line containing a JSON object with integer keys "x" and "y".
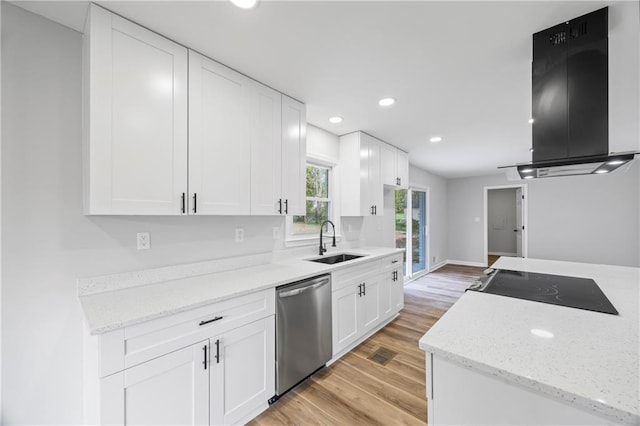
{"x": 394, "y": 261}
{"x": 210, "y": 321}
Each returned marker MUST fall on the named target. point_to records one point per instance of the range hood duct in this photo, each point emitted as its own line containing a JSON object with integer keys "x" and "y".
{"x": 570, "y": 101}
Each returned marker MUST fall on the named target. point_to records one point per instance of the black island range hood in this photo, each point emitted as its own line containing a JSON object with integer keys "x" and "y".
{"x": 570, "y": 101}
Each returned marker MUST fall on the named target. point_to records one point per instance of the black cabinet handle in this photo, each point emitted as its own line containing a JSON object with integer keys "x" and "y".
{"x": 218, "y": 351}
{"x": 375, "y": 210}
{"x": 195, "y": 203}
{"x": 394, "y": 261}
{"x": 364, "y": 289}
{"x": 184, "y": 197}
{"x": 280, "y": 206}
{"x": 210, "y": 321}
{"x": 360, "y": 290}
{"x": 204, "y": 348}
{"x": 286, "y": 206}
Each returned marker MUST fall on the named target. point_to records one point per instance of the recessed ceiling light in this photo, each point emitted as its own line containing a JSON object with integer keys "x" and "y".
{"x": 529, "y": 177}
{"x": 335, "y": 120}
{"x": 531, "y": 120}
{"x": 526, "y": 170}
{"x": 615, "y": 162}
{"x": 541, "y": 333}
{"x": 384, "y": 102}
{"x": 435, "y": 139}
{"x": 245, "y": 4}
{"x": 602, "y": 171}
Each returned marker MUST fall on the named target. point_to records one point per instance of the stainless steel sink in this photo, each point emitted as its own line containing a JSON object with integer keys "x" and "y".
{"x": 336, "y": 258}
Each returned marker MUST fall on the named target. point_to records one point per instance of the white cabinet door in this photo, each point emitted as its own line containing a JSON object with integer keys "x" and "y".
{"x": 266, "y": 150}
{"x": 169, "y": 390}
{"x": 345, "y": 322}
{"x": 388, "y": 164}
{"x": 386, "y": 298}
{"x": 242, "y": 371}
{"x": 397, "y": 290}
{"x": 135, "y": 133}
{"x": 376, "y": 193}
{"x": 219, "y": 139}
{"x": 403, "y": 169}
{"x": 294, "y": 156}
{"x": 370, "y": 304}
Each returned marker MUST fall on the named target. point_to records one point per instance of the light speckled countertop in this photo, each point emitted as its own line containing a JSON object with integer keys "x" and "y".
{"x": 591, "y": 361}
{"x": 136, "y": 299}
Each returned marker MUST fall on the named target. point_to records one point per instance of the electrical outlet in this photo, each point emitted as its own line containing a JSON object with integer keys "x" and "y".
{"x": 144, "y": 241}
{"x": 239, "y": 235}
{"x": 433, "y": 259}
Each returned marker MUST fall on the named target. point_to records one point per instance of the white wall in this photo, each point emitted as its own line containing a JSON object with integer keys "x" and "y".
{"x": 592, "y": 218}
{"x": 501, "y": 221}
{"x": 47, "y": 242}
{"x": 437, "y": 212}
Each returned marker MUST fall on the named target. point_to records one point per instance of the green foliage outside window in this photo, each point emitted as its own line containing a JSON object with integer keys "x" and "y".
{"x": 318, "y": 202}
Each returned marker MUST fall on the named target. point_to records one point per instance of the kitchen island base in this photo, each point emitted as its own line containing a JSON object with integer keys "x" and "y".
{"x": 461, "y": 395}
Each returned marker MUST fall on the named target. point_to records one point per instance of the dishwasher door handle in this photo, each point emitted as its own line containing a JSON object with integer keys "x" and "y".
{"x": 301, "y": 290}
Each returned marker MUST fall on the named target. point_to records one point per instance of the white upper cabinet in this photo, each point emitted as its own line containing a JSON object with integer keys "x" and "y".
{"x": 266, "y": 151}
{"x": 170, "y": 132}
{"x": 219, "y": 139}
{"x": 394, "y": 166}
{"x": 135, "y": 122}
{"x": 403, "y": 169}
{"x": 361, "y": 184}
{"x": 294, "y": 156}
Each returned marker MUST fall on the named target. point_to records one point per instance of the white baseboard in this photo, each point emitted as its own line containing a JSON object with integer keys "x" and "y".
{"x": 465, "y": 263}
{"x": 502, "y": 253}
{"x": 438, "y": 266}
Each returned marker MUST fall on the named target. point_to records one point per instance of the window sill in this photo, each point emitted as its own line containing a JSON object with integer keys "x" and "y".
{"x": 307, "y": 240}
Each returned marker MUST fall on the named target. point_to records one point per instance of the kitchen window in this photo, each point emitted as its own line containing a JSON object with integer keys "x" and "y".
{"x": 319, "y": 204}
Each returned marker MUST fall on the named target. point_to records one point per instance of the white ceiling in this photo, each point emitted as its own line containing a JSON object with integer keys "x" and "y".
{"x": 460, "y": 70}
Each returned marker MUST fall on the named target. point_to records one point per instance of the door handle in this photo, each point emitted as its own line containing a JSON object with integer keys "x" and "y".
{"x": 195, "y": 203}
{"x": 364, "y": 289}
{"x": 204, "y": 348}
{"x": 210, "y": 321}
{"x": 183, "y": 210}
{"x": 286, "y": 206}
{"x": 280, "y": 206}
{"x": 218, "y": 351}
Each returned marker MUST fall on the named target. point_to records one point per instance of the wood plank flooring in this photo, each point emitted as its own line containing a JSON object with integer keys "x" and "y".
{"x": 356, "y": 390}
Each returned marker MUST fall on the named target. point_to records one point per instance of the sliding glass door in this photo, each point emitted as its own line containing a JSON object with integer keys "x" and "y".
{"x": 411, "y": 229}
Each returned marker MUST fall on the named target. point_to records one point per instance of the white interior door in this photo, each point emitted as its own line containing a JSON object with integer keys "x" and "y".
{"x": 519, "y": 222}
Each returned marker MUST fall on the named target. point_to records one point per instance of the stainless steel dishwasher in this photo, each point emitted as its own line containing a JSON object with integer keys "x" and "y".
{"x": 303, "y": 330}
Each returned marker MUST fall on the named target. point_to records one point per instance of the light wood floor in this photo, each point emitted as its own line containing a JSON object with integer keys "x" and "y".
{"x": 356, "y": 390}
{"x": 492, "y": 259}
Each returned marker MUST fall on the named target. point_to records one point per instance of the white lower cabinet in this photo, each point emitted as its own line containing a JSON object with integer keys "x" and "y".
{"x": 223, "y": 380}
{"x": 169, "y": 390}
{"x": 210, "y": 365}
{"x": 363, "y": 299}
{"x": 344, "y": 305}
{"x": 242, "y": 371}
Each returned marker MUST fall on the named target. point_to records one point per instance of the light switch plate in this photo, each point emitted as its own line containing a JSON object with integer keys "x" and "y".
{"x": 239, "y": 235}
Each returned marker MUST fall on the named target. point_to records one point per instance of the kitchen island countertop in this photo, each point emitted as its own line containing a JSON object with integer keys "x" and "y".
{"x": 584, "y": 358}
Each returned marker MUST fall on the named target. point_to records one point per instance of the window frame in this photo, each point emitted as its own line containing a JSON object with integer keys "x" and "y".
{"x": 293, "y": 240}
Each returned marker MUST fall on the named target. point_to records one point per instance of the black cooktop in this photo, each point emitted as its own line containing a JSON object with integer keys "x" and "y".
{"x": 581, "y": 293}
